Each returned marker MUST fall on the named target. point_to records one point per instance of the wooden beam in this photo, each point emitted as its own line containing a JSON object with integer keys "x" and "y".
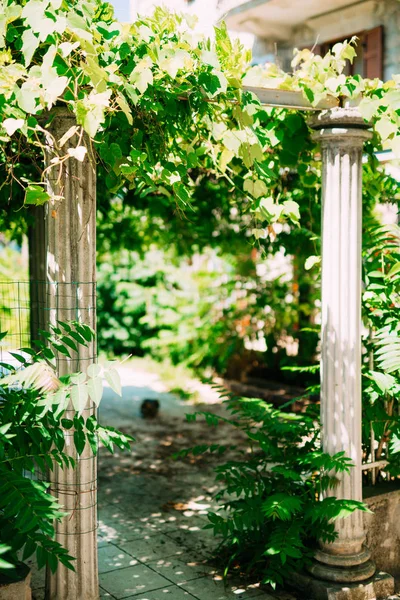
{"x": 289, "y": 99}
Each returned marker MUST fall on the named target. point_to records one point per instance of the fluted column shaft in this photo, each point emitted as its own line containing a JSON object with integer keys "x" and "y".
{"x": 342, "y": 134}
{"x": 71, "y": 275}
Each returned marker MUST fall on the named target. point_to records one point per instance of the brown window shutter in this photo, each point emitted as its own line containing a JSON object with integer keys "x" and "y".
{"x": 373, "y": 53}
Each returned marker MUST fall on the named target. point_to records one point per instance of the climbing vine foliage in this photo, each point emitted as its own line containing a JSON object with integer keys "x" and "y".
{"x": 155, "y": 103}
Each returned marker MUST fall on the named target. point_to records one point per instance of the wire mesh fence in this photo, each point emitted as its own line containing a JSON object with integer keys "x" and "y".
{"x": 28, "y": 307}
{"x": 14, "y": 315}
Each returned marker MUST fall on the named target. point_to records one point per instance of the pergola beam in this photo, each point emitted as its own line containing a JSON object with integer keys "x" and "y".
{"x": 289, "y": 99}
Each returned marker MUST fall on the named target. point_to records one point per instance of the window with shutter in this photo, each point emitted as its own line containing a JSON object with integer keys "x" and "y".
{"x": 373, "y": 53}
{"x": 369, "y": 47}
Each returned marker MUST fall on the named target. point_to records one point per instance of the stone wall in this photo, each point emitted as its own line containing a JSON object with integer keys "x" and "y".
{"x": 387, "y": 13}
{"x": 383, "y": 529}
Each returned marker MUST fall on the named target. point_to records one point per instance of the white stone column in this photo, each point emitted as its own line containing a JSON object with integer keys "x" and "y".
{"x": 342, "y": 133}
{"x": 71, "y": 274}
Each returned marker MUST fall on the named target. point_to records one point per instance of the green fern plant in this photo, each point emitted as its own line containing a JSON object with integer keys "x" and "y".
{"x": 32, "y": 422}
{"x": 381, "y": 368}
{"x": 272, "y": 509}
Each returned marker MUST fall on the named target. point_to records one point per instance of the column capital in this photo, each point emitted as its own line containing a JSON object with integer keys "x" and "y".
{"x": 347, "y": 117}
{"x": 345, "y": 126}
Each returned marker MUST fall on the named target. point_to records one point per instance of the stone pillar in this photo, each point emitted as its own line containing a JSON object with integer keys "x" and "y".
{"x": 342, "y": 133}
{"x": 71, "y": 273}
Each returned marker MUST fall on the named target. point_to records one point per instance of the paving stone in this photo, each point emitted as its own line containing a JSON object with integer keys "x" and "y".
{"x": 132, "y": 581}
{"x": 117, "y": 523}
{"x": 153, "y": 547}
{"x": 102, "y": 541}
{"x": 210, "y": 589}
{"x": 104, "y": 595}
{"x": 192, "y": 523}
{"x": 112, "y": 558}
{"x": 181, "y": 570}
{"x": 169, "y": 593}
{"x": 200, "y": 541}
{"x": 192, "y": 531}
{"x": 163, "y": 521}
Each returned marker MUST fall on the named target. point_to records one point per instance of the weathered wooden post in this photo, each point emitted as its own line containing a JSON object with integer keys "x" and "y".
{"x": 346, "y": 562}
{"x": 71, "y": 275}
{"x": 37, "y": 272}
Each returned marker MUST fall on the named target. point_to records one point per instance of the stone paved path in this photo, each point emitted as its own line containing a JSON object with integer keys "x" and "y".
{"x": 152, "y": 510}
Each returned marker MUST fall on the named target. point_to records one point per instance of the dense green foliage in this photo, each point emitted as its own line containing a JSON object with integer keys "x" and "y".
{"x": 201, "y": 263}
{"x": 197, "y": 290}
{"x": 174, "y": 132}
{"x": 278, "y": 500}
{"x": 184, "y": 154}
{"x": 32, "y": 425}
{"x": 156, "y": 103}
{"x": 381, "y": 378}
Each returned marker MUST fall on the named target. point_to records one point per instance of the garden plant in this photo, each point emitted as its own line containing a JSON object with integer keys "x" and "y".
{"x": 164, "y": 113}
{"x": 271, "y": 507}
{"x": 33, "y": 421}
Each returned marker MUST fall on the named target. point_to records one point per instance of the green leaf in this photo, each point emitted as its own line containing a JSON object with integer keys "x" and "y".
{"x": 79, "y": 396}
{"x": 30, "y": 43}
{"x": 61, "y": 348}
{"x": 291, "y": 209}
{"x": 141, "y": 79}
{"x": 281, "y": 506}
{"x": 68, "y": 342}
{"x": 85, "y": 331}
{"x": 95, "y": 389}
{"x": 181, "y": 193}
{"x": 311, "y": 261}
{"x": 113, "y": 379}
{"x": 394, "y": 270}
{"x": 255, "y": 187}
{"x": 35, "y": 194}
{"x": 11, "y": 125}
{"x": 79, "y": 441}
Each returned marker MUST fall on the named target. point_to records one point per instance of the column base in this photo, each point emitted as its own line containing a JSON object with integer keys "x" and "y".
{"x": 343, "y": 568}
{"x": 379, "y": 587}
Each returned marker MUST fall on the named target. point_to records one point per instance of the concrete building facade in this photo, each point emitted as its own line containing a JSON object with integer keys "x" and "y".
{"x": 273, "y": 28}
{"x": 279, "y": 26}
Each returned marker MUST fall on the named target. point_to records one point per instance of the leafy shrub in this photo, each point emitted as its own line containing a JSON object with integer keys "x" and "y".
{"x": 126, "y": 290}
{"x": 32, "y": 424}
{"x": 277, "y": 501}
{"x": 381, "y": 368}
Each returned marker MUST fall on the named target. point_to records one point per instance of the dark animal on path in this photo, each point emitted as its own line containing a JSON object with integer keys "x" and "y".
{"x": 149, "y": 408}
